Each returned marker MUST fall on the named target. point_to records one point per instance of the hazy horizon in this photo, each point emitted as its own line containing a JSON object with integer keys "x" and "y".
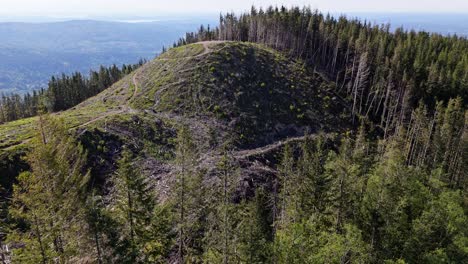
{"x": 77, "y": 8}
{"x": 444, "y": 23}
{"x": 374, "y": 17}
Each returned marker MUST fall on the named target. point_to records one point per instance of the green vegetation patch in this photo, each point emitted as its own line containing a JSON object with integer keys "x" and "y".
{"x": 182, "y": 52}
{"x": 252, "y": 85}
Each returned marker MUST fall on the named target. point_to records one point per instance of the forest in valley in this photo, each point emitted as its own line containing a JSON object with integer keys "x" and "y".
{"x": 390, "y": 189}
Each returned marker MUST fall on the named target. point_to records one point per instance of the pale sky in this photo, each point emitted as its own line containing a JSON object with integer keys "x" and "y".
{"x": 157, "y": 7}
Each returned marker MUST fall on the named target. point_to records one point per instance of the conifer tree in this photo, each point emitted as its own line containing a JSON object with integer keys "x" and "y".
{"x": 63, "y": 92}
{"x": 439, "y": 234}
{"x": 145, "y": 225}
{"x": 197, "y": 212}
{"x": 186, "y": 158}
{"x": 288, "y": 181}
{"x": 347, "y": 183}
{"x": 94, "y": 210}
{"x": 221, "y": 234}
{"x": 313, "y": 190}
{"x": 49, "y": 198}
{"x": 255, "y": 230}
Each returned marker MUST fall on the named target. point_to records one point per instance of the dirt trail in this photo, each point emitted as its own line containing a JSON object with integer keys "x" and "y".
{"x": 207, "y": 44}
{"x": 244, "y": 154}
{"x": 210, "y": 159}
{"x": 207, "y": 49}
{"x": 125, "y": 108}
{"x": 107, "y": 114}
{"x": 135, "y": 91}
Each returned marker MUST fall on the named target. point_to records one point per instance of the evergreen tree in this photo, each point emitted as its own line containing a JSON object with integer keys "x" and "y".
{"x": 288, "y": 181}
{"x": 49, "y": 198}
{"x": 145, "y": 225}
{"x": 186, "y": 158}
{"x": 255, "y": 230}
{"x": 394, "y": 194}
{"x": 383, "y": 73}
{"x": 313, "y": 185}
{"x": 221, "y": 234}
{"x": 347, "y": 184}
{"x": 394, "y": 197}
{"x": 94, "y": 217}
{"x": 439, "y": 234}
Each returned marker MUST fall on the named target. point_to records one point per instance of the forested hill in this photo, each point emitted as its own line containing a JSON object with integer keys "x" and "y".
{"x": 358, "y": 56}
{"x": 280, "y": 136}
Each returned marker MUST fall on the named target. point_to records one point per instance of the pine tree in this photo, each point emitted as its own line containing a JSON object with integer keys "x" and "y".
{"x": 145, "y": 225}
{"x": 452, "y": 131}
{"x": 126, "y": 185}
{"x": 438, "y": 234}
{"x": 186, "y": 158}
{"x": 313, "y": 189}
{"x": 288, "y": 181}
{"x": 49, "y": 198}
{"x": 394, "y": 197}
{"x": 63, "y": 92}
{"x": 347, "y": 183}
{"x": 197, "y": 213}
{"x": 94, "y": 214}
{"x": 255, "y": 230}
{"x": 221, "y": 234}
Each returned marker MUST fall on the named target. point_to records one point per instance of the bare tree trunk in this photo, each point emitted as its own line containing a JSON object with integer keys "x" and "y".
{"x": 385, "y": 105}
{"x": 428, "y": 142}
{"x": 352, "y": 74}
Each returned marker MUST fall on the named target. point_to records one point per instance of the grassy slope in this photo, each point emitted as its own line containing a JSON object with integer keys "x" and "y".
{"x": 252, "y": 89}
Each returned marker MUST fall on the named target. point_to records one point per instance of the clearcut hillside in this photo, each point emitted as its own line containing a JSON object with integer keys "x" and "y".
{"x": 246, "y": 94}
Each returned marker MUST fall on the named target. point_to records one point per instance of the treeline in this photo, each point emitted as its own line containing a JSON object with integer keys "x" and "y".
{"x": 399, "y": 200}
{"x": 63, "y": 92}
{"x": 384, "y": 74}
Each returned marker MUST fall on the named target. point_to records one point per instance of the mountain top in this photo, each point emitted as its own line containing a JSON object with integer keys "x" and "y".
{"x": 253, "y": 91}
